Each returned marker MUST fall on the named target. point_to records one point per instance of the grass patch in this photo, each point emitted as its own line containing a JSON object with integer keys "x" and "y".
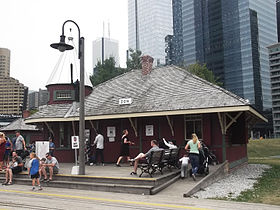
{"x": 267, "y": 188}
{"x": 263, "y": 148}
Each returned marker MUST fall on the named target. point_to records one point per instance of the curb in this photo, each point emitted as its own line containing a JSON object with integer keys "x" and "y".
{"x": 221, "y": 172}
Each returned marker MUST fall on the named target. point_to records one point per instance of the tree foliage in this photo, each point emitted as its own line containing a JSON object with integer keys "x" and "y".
{"x": 106, "y": 71}
{"x": 134, "y": 60}
{"x": 203, "y": 72}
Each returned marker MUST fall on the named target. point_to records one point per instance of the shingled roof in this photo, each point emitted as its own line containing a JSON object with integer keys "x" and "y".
{"x": 167, "y": 90}
{"x": 19, "y": 124}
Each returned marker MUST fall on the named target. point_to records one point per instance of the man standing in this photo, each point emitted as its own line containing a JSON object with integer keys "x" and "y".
{"x": 14, "y": 168}
{"x": 50, "y": 166}
{"x": 19, "y": 145}
{"x": 99, "y": 142}
{"x": 140, "y": 156}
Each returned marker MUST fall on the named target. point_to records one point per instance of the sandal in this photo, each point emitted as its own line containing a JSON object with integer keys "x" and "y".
{"x": 9, "y": 183}
{"x": 4, "y": 183}
{"x": 133, "y": 173}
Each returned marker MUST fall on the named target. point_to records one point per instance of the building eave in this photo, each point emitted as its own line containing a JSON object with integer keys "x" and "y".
{"x": 245, "y": 108}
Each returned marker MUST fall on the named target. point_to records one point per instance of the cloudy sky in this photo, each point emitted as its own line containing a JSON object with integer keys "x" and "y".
{"x": 28, "y": 27}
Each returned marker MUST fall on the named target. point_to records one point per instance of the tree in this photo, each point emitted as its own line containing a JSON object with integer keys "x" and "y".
{"x": 105, "y": 71}
{"x": 134, "y": 60}
{"x": 203, "y": 72}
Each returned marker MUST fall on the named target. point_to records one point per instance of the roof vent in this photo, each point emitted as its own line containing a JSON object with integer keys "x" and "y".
{"x": 147, "y": 64}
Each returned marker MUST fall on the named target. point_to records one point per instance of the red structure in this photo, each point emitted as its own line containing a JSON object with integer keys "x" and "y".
{"x": 166, "y": 102}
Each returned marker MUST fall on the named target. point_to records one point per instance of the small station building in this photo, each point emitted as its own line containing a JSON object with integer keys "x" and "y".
{"x": 164, "y": 102}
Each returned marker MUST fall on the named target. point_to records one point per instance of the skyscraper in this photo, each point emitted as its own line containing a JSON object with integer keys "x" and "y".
{"x": 174, "y": 43}
{"x": 12, "y": 92}
{"x": 149, "y": 22}
{"x": 231, "y": 38}
{"x": 104, "y": 48}
{"x": 4, "y": 62}
{"x": 278, "y": 18}
{"x": 274, "y": 61}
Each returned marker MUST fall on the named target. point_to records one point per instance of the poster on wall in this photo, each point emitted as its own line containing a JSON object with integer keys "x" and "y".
{"x": 42, "y": 147}
{"x": 111, "y": 131}
{"x": 149, "y": 130}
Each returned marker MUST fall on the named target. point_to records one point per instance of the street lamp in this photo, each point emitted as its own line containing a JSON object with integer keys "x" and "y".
{"x": 62, "y": 46}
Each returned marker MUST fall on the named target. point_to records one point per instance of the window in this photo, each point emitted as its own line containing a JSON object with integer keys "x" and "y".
{"x": 193, "y": 124}
{"x": 64, "y": 95}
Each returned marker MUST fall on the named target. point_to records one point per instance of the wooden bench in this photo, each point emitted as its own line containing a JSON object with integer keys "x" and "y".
{"x": 152, "y": 164}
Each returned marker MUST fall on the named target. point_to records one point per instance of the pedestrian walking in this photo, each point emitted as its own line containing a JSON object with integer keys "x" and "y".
{"x": 99, "y": 142}
{"x": 194, "y": 146}
{"x": 125, "y": 143}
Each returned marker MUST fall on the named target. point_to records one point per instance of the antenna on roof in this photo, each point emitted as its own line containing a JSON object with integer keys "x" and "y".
{"x": 109, "y": 29}
{"x": 103, "y": 29}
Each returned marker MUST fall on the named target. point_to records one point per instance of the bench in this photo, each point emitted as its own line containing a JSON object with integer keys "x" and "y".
{"x": 152, "y": 164}
{"x": 170, "y": 158}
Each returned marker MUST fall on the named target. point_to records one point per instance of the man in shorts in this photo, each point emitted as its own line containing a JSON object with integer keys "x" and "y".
{"x": 14, "y": 167}
{"x": 51, "y": 166}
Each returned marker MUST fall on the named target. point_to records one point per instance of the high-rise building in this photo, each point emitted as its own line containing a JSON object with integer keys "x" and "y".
{"x": 274, "y": 62}
{"x": 4, "y": 62}
{"x": 174, "y": 43}
{"x": 278, "y": 18}
{"x": 11, "y": 96}
{"x": 37, "y": 98}
{"x": 149, "y": 22}
{"x": 104, "y": 48}
{"x": 12, "y": 92}
{"x": 231, "y": 38}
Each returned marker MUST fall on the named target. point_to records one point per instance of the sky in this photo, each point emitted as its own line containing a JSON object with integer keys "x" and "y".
{"x": 28, "y": 27}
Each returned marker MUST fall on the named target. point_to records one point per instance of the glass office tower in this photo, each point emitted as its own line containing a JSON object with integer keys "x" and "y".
{"x": 149, "y": 22}
{"x": 231, "y": 38}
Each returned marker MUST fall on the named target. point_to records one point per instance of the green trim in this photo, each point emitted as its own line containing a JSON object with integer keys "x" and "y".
{"x": 238, "y": 162}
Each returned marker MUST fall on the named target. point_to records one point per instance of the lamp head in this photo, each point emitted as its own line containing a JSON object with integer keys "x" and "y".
{"x": 62, "y": 46}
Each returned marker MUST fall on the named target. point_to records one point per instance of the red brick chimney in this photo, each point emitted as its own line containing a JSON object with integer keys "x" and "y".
{"x": 147, "y": 64}
{"x": 26, "y": 114}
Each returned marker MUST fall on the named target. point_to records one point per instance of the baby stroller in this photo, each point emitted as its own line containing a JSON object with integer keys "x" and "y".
{"x": 211, "y": 156}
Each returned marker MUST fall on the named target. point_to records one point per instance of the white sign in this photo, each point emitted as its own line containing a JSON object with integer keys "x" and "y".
{"x": 111, "y": 139}
{"x": 149, "y": 130}
{"x": 111, "y": 132}
{"x": 42, "y": 147}
{"x": 124, "y": 101}
{"x": 75, "y": 142}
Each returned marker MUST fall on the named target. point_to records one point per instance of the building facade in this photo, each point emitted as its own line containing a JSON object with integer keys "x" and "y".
{"x": 231, "y": 38}
{"x": 149, "y": 22}
{"x": 274, "y": 61}
{"x": 278, "y": 18}
{"x": 4, "y": 62}
{"x": 12, "y": 95}
{"x": 37, "y": 98}
{"x": 174, "y": 43}
{"x": 104, "y": 48}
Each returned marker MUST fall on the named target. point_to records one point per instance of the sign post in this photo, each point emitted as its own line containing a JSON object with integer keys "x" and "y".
{"x": 75, "y": 146}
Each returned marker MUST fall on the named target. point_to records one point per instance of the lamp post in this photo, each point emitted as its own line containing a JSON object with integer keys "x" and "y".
{"x": 62, "y": 46}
